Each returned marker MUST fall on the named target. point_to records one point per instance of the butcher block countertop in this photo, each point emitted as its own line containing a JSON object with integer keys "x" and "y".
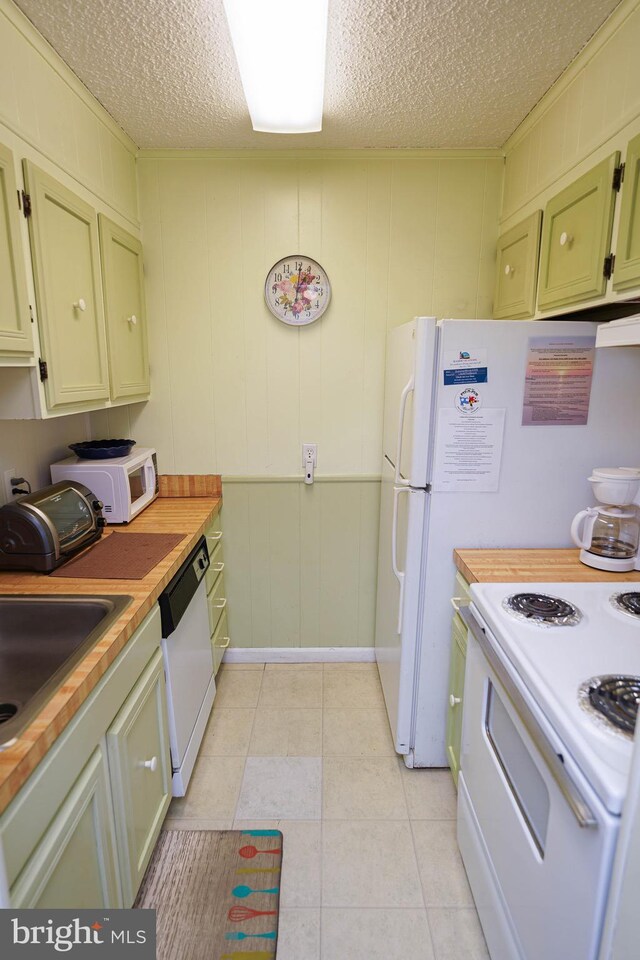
{"x": 187, "y": 515}
{"x": 532, "y": 566}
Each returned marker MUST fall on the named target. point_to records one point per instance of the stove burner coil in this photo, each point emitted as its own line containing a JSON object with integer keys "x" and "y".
{"x": 542, "y": 609}
{"x": 614, "y": 697}
{"x": 628, "y": 602}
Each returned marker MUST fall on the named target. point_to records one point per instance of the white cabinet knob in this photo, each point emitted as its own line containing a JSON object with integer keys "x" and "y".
{"x": 80, "y": 304}
{"x": 565, "y": 239}
{"x": 454, "y": 701}
{"x": 151, "y": 764}
{"x": 509, "y": 270}
{"x": 132, "y": 319}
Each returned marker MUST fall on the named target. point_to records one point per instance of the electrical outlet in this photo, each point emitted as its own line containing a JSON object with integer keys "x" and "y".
{"x": 6, "y": 476}
{"x": 309, "y": 454}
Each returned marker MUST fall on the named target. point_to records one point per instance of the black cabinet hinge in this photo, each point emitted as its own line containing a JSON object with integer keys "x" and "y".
{"x": 31, "y": 313}
{"x": 44, "y": 370}
{"x": 609, "y": 265}
{"x": 618, "y": 177}
{"x": 26, "y": 204}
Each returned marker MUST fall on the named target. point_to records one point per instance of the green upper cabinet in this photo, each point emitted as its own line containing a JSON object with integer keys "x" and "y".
{"x": 576, "y": 238}
{"x": 123, "y": 286}
{"x": 15, "y": 321}
{"x": 64, "y": 242}
{"x": 517, "y": 270}
{"x": 627, "y": 264}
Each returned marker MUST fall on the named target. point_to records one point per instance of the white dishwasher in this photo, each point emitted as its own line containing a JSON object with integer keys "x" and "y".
{"x": 188, "y": 663}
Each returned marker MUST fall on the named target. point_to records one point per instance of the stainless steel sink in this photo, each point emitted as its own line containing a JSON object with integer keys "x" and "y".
{"x": 42, "y": 639}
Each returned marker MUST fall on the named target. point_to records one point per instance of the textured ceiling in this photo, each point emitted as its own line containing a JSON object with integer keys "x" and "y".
{"x": 400, "y": 73}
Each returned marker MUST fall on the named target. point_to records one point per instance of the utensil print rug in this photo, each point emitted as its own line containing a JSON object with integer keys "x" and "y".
{"x": 216, "y": 893}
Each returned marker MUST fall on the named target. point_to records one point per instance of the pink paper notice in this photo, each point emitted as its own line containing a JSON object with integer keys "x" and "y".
{"x": 557, "y": 385}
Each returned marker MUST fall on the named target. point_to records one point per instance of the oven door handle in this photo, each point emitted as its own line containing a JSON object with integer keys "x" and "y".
{"x": 568, "y": 788}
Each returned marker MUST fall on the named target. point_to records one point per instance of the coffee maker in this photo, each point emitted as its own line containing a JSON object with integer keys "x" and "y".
{"x": 609, "y": 534}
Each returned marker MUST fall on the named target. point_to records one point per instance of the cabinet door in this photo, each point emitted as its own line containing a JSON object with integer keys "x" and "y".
{"x": 64, "y": 244}
{"x": 517, "y": 270}
{"x": 220, "y": 641}
{"x": 123, "y": 285}
{"x": 627, "y": 267}
{"x": 576, "y": 238}
{"x": 456, "y": 690}
{"x": 74, "y": 865}
{"x": 15, "y": 321}
{"x": 138, "y": 748}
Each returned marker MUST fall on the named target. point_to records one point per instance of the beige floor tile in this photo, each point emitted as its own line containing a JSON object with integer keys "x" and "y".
{"x": 255, "y": 825}
{"x": 301, "y": 863}
{"x": 228, "y": 733}
{"x": 299, "y": 935}
{"x": 300, "y": 667}
{"x": 443, "y": 876}
{"x": 173, "y": 823}
{"x": 356, "y": 733}
{"x": 376, "y": 935}
{"x": 213, "y": 790}
{"x": 352, "y": 688}
{"x": 291, "y": 688}
{"x": 287, "y": 788}
{"x": 369, "y": 864}
{"x": 241, "y": 666}
{"x": 238, "y": 688}
{"x": 362, "y": 788}
{"x": 286, "y": 733}
{"x": 457, "y": 934}
{"x": 364, "y": 666}
{"x": 430, "y": 794}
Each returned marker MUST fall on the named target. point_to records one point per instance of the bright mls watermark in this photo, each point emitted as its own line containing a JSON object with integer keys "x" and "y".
{"x": 103, "y": 933}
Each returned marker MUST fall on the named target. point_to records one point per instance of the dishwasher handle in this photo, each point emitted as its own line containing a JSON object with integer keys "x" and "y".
{"x": 177, "y": 595}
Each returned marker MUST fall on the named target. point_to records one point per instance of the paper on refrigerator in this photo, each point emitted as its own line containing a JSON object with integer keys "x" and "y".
{"x": 468, "y": 450}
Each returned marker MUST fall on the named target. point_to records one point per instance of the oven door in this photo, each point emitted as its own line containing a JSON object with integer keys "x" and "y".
{"x": 526, "y": 810}
{"x": 141, "y": 480}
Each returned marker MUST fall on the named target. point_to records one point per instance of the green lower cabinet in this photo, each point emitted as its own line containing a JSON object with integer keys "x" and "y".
{"x": 456, "y": 695}
{"x": 74, "y": 865}
{"x": 140, "y": 766}
{"x": 220, "y": 641}
{"x": 626, "y": 273}
{"x": 517, "y": 270}
{"x": 576, "y": 238}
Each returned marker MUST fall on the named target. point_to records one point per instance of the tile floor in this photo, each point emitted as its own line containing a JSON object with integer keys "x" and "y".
{"x": 371, "y": 867}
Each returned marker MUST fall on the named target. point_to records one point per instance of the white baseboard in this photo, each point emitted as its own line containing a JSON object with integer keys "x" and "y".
{"x": 300, "y": 655}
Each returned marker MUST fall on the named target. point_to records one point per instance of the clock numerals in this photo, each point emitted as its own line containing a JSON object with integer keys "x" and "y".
{"x": 277, "y": 277}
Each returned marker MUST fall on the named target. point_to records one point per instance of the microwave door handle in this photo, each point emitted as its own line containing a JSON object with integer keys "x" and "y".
{"x": 149, "y": 473}
{"x": 573, "y": 796}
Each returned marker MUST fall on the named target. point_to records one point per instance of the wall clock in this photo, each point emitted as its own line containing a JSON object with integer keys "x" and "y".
{"x": 297, "y": 290}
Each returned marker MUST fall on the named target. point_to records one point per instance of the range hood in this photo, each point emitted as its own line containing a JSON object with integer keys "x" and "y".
{"x": 624, "y": 332}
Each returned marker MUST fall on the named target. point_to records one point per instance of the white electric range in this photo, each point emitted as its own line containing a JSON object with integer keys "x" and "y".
{"x": 543, "y": 770}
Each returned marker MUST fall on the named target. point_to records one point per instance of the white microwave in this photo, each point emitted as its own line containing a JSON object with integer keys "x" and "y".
{"x": 125, "y": 485}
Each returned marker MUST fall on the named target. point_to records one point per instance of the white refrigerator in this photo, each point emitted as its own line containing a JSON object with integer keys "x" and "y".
{"x": 449, "y": 480}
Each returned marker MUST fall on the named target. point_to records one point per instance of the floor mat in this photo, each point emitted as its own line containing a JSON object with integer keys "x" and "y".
{"x": 216, "y": 893}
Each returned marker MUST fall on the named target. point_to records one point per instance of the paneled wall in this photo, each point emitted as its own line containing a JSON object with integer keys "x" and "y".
{"x": 237, "y": 392}
{"x": 48, "y": 116}
{"x": 592, "y": 110}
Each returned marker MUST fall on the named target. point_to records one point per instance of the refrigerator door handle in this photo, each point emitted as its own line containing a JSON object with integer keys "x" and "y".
{"x": 404, "y": 396}
{"x": 399, "y": 574}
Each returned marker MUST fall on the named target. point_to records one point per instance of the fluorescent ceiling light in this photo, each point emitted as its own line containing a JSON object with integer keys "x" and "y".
{"x": 280, "y": 47}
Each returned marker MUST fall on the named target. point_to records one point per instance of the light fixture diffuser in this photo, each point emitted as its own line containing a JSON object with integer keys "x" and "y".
{"x": 280, "y": 46}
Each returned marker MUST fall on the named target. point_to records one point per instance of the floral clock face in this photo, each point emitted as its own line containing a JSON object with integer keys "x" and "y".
{"x": 297, "y": 290}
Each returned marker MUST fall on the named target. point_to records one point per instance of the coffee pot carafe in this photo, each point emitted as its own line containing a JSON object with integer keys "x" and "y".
{"x": 609, "y": 534}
